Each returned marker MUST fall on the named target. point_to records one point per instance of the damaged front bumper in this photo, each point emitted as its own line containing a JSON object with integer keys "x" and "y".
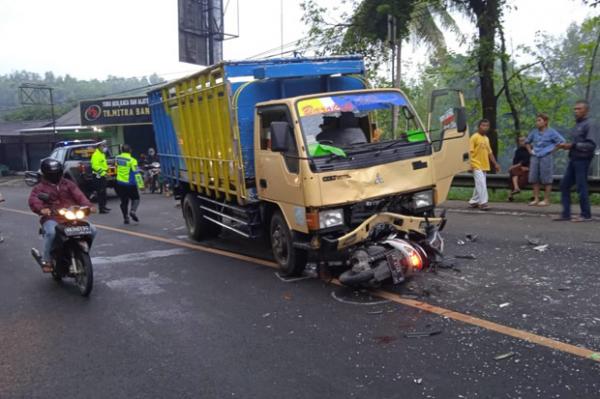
{"x": 402, "y": 223}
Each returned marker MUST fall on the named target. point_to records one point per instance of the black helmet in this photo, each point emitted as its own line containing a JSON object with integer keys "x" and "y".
{"x": 52, "y": 170}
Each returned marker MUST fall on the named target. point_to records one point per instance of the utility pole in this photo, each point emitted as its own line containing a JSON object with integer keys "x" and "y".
{"x": 396, "y": 45}
{"x": 281, "y": 24}
{"x": 38, "y": 94}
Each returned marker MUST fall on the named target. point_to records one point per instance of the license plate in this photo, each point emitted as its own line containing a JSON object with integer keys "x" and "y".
{"x": 77, "y": 231}
{"x": 394, "y": 262}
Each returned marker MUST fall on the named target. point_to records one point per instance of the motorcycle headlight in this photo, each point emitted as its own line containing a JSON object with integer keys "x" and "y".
{"x": 70, "y": 215}
{"x": 424, "y": 199}
{"x": 79, "y": 214}
{"x": 331, "y": 218}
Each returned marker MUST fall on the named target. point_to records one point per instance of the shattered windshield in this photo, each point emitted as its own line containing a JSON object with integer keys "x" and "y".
{"x": 349, "y": 122}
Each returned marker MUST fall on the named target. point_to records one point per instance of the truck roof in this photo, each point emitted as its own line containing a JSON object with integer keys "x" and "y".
{"x": 281, "y": 68}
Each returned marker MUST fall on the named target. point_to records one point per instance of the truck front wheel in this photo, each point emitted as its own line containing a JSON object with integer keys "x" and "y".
{"x": 197, "y": 226}
{"x": 292, "y": 261}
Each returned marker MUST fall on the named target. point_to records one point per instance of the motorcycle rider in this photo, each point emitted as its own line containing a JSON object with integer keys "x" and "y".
{"x": 99, "y": 169}
{"x": 148, "y": 159}
{"x": 63, "y": 193}
{"x": 127, "y": 183}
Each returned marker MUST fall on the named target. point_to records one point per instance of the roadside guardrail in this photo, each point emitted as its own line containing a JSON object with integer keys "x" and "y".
{"x": 501, "y": 180}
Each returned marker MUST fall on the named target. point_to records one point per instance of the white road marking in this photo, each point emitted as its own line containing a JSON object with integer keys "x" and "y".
{"x": 138, "y": 256}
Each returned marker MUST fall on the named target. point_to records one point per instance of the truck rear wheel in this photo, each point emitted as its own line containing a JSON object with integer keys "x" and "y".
{"x": 292, "y": 261}
{"x": 197, "y": 226}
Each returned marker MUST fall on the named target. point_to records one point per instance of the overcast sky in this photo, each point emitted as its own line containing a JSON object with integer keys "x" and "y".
{"x": 138, "y": 37}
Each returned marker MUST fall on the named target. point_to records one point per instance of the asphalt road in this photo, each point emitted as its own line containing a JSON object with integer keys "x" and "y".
{"x": 171, "y": 321}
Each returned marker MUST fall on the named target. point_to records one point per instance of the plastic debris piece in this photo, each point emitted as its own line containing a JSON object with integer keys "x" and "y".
{"x": 595, "y": 356}
{"x": 503, "y": 305}
{"x": 471, "y": 256}
{"x": 420, "y": 334}
{"x": 460, "y": 242}
{"x": 541, "y": 248}
{"x": 504, "y": 356}
{"x": 533, "y": 240}
{"x": 376, "y": 312}
{"x": 471, "y": 237}
{"x": 418, "y": 381}
{"x": 266, "y": 315}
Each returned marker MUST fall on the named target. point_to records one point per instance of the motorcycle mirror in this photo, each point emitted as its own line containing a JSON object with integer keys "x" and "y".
{"x": 43, "y": 196}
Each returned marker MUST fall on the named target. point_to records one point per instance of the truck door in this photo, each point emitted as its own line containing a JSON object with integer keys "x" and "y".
{"x": 447, "y": 127}
{"x": 278, "y": 173}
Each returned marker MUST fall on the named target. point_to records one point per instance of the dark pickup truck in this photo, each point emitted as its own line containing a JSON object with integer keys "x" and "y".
{"x": 75, "y": 158}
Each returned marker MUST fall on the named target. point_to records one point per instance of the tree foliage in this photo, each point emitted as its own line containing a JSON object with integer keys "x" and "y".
{"x": 68, "y": 91}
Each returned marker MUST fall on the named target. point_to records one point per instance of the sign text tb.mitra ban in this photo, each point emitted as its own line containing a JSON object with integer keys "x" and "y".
{"x": 115, "y": 111}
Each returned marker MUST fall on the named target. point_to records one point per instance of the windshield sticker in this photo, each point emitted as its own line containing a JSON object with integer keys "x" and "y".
{"x": 447, "y": 120}
{"x": 350, "y": 103}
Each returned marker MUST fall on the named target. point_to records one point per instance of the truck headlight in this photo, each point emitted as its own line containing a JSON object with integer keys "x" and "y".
{"x": 424, "y": 199}
{"x": 331, "y": 218}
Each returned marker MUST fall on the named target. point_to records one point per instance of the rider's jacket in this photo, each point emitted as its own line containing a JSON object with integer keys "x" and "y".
{"x": 62, "y": 195}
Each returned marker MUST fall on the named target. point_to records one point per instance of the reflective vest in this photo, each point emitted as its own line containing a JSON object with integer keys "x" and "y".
{"x": 127, "y": 168}
{"x": 99, "y": 164}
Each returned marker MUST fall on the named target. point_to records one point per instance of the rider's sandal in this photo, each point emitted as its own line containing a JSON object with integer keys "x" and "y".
{"x": 47, "y": 267}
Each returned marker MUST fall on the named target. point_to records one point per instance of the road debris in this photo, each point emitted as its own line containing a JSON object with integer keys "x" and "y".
{"x": 503, "y": 305}
{"x": 471, "y": 237}
{"x": 541, "y": 248}
{"x": 418, "y": 381}
{"x": 364, "y": 300}
{"x": 460, "y": 242}
{"x": 504, "y": 356}
{"x": 375, "y": 312}
{"x": 533, "y": 240}
{"x": 292, "y": 279}
{"x": 471, "y": 256}
{"x": 421, "y": 334}
{"x": 385, "y": 339}
{"x": 266, "y": 315}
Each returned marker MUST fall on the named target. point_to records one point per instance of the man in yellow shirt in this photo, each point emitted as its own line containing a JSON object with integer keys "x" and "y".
{"x": 481, "y": 157}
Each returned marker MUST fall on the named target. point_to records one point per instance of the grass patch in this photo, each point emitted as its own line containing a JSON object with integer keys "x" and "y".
{"x": 501, "y": 195}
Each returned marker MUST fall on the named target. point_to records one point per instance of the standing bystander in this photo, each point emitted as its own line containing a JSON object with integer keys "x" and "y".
{"x": 481, "y": 156}
{"x": 581, "y": 152}
{"x": 541, "y": 144}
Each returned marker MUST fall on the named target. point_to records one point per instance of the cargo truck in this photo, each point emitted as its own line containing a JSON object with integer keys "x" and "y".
{"x": 301, "y": 151}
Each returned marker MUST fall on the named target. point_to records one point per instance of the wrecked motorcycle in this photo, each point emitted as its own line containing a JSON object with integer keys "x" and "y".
{"x": 391, "y": 254}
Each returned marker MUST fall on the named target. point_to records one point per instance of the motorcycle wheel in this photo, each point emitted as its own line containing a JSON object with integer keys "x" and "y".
{"x": 85, "y": 277}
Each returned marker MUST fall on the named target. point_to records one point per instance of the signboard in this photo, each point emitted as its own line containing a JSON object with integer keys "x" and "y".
{"x": 201, "y": 32}
{"x": 115, "y": 111}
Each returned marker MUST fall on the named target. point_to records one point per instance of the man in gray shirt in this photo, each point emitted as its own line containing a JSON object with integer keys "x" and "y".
{"x": 581, "y": 151}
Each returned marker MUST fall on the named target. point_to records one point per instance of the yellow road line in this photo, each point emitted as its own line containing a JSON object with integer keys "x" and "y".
{"x": 396, "y": 298}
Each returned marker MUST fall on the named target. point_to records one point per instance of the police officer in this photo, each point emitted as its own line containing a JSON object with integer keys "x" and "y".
{"x": 99, "y": 169}
{"x": 128, "y": 179}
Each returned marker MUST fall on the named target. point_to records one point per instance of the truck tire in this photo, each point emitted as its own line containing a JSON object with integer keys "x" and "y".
{"x": 292, "y": 261}
{"x": 198, "y": 228}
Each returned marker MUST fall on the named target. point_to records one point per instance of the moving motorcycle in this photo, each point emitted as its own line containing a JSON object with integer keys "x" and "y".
{"x": 70, "y": 251}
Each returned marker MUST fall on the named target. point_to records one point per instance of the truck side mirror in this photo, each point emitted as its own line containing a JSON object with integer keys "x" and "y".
{"x": 281, "y": 134}
{"x": 461, "y": 119}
